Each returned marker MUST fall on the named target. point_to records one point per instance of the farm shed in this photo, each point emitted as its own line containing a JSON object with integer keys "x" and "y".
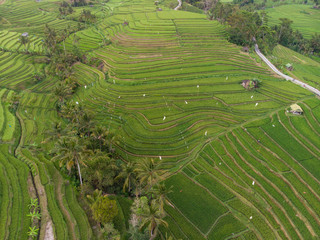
{"x": 296, "y": 109}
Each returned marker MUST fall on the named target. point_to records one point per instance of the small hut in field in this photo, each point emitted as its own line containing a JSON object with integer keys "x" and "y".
{"x": 289, "y": 67}
{"x": 245, "y": 49}
{"x": 296, "y": 109}
{"x": 249, "y": 84}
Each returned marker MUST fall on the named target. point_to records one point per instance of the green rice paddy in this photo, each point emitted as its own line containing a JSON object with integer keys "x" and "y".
{"x": 241, "y": 165}
{"x": 305, "y": 19}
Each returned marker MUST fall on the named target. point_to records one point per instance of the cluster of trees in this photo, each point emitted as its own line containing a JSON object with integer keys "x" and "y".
{"x": 86, "y": 150}
{"x": 65, "y": 8}
{"x": 61, "y": 60}
{"x": 78, "y": 3}
{"x": 246, "y": 26}
{"x": 286, "y": 36}
{"x": 87, "y": 17}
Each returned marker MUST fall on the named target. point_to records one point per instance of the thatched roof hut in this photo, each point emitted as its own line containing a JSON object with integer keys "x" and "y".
{"x": 296, "y": 109}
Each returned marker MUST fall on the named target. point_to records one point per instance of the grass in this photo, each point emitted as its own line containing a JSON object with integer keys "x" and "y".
{"x": 305, "y": 19}
{"x": 187, "y": 196}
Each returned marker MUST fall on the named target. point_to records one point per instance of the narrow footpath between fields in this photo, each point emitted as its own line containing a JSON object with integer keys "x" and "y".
{"x": 179, "y": 5}
{"x": 302, "y": 84}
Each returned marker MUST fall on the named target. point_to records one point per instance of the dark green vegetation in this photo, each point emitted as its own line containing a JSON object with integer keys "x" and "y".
{"x": 127, "y": 83}
{"x": 305, "y": 19}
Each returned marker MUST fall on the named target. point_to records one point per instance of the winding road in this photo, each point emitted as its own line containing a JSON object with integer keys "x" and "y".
{"x": 179, "y": 5}
{"x": 302, "y": 84}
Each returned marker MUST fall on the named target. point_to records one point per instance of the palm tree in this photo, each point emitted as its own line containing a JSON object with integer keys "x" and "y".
{"x": 152, "y": 219}
{"x": 160, "y": 193}
{"x": 72, "y": 111}
{"x": 64, "y": 35}
{"x": 128, "y": 174}
{"x": 62, "y": 90}
{"x": 101, "y": 170}
{"x": 85, "y": 123}
{"x": 100, "y": 134}
{"x": 50, "y": 40}
{"x": 94, "y": 196}
{"x": 149, "y": 172}
{"x": 24, "y": 41}
{"x": 69, "y": 151}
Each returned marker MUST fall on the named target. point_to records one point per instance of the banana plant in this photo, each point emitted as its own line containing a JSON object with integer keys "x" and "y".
{"x": 33, "y": 232}
{"x": 34, "y": 215}
{"x": 33, "y": 203}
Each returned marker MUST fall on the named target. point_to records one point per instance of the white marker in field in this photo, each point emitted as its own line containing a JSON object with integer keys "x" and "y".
{"x": 252, "y": 96}
{"x": 253, "y": 183}
{"x": 144, "y": 95}
{"x": 256, "y": 104}
{"x": 77, "y": 102}
{"x": 197, "y": 86}
{"x": 186, "y": 102}
{"x": 273, "y": 125}
{"x": 250, "y": 217}
{"x": 160, "y": 157}
{"x": 206, "y": 133}
{"x": 85, "y": 86}
{"x": 227, "y": 78}
{"x": 164, "y": 118}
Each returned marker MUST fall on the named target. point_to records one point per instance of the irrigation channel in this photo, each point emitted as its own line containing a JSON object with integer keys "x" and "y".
{"x": 302, "y": 84}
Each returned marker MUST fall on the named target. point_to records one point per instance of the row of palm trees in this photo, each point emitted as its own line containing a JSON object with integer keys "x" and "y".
{"x": 101, "y": 171}
{"x": 87, "y": 150}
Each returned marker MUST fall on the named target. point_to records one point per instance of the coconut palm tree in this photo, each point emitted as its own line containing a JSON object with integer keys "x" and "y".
{"x": 70, "y": 152}
{"x": 128, "y": 174}
{"x": 62, "y": 90}
{"x": 101, "y": 171}
{"x": 85, "y": 124}
{"x": 152, "y": 219}
{"x": 100, "y": 134}
{"x": 149, "y": 172}
{"x": 160, "y": 195}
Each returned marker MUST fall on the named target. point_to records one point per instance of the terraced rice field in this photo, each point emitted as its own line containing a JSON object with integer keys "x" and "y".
{"x": 241, "y": 166}
{"x": 304, "y": 68}
{"x": 305, "y": 19}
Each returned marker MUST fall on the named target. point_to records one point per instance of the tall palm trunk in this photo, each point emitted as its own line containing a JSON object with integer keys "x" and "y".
{"x": 78, "y": 165}
{"x": 153, "y": 232}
